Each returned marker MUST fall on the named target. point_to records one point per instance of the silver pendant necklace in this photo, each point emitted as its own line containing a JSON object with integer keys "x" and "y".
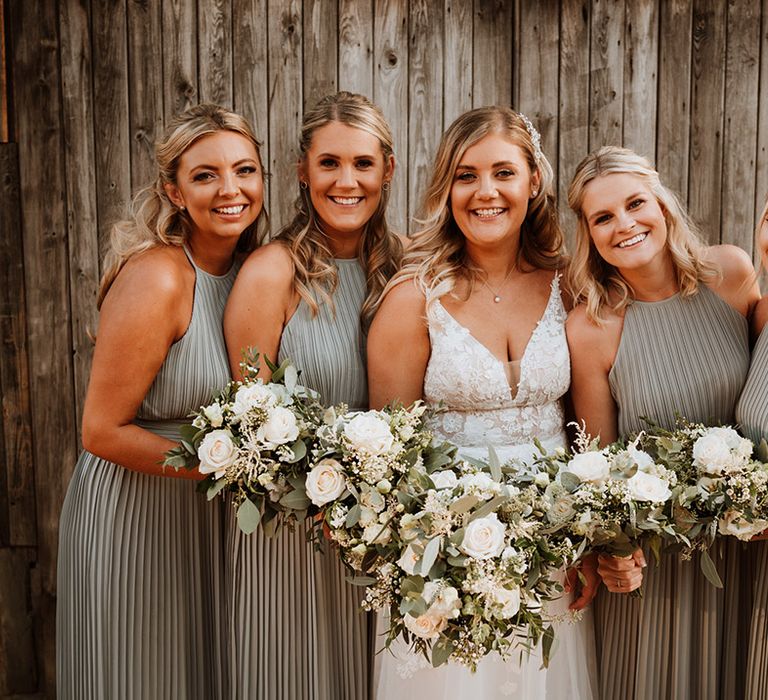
{"x": 496, "y": 295}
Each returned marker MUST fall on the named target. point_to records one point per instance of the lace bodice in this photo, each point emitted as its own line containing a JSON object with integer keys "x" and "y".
{"x": 471, "y": 383}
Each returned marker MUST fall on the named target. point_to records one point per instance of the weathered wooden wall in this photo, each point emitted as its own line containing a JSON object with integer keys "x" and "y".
{"x": 91, "y": 83}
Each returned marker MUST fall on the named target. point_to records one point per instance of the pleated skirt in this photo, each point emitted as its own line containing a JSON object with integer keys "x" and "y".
{"x": 296, "y": 630}
{"x": 140, "y": 610}
{"x": 684, "y": 638}
{"x": 757, "y": 666}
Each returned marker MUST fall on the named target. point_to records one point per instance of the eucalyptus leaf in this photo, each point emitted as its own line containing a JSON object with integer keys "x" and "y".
{"x": 295, "y": 500}
{"x": 487, "y": 508}
{"x": 299, "y": 450}
{"x": 361, "y": 580}
{"x": 547, "y": 639}
{"x": 431, "y": 551}
{"x": 215, "y": 488}
{"x": 189, "y": 433}
{"x": 248, "y": 516}
{"x": 353, "y": 516}
{"x": 569, "y": 481}
{"x": 464, "y": 504}
{"x": 441, "y": 651}
{"x": 709, "y": 569}
{"x": 494, "y": 464}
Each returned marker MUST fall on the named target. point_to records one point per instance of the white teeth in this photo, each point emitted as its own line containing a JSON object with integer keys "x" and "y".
{"x": 631, "y": 241}
{"x": 346, "y": 200}
{"x": 231, "y": 210}
{"x": 488, "y": 212}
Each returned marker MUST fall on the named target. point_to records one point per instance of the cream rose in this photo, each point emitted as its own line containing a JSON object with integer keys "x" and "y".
{"x": 647, "y": 487}
{"x": 590, "y": 466}
{"x": 733, "y": 524}
{"x": 507, "y": 600}
{"x": 214, "y": 414}
{"x": 484, "y": 537}
{"x": 369, "y": 432}
{"x": 217, "y": 452}
{"x": 325, "y": 482}
{"x": 250, "y": 396}
{"x": 279, "y": 428}
{"x": 426, "y": 626}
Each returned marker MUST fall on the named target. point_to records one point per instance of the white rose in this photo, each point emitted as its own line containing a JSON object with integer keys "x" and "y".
{"x": 369, "y": 432}
{"x": 642, "y": 459}
{"x": 590, "y": 466}
{"x": 480, "y": 484}
{"x": 733, "y": 524}
{"x": 712, "y": 455}
{"x": 647, "y": 487}
{"x": 249, "y": 396}
{"x": 217, "y": 451}
{"x": 426, "y": 626}
{"x": 408, "y": 560}
{"x": 214, "y": 415}
{"x": 376, "y": 534}
{"x": 279, "y": 428}
{"x": 444, "y": 599}
{"x": 325, "y": 482}
{"x": 484, "y": 537}
{"x": 445, "y": 479}
{"x": 509, "y": 600}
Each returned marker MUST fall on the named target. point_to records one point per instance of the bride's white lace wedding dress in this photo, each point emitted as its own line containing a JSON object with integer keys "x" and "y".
{"x": 482, "y": 410}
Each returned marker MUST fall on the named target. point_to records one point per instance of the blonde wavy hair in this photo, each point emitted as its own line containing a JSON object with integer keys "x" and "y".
{"x": 153, "y": 219}
{"x": 593, "y": 281}
{"x": 437, "y": 257}
{"x": 316, "y": 278}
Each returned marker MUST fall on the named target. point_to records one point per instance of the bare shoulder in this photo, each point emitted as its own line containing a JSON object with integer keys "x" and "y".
{"x": 737, "y": 282}
{"x": 587, "y": 339}
{"x": 159, "y": 274}
{"x": 733, "y": 262}
{"x": 271, "y": 263}
{"x": 405, "y": 296}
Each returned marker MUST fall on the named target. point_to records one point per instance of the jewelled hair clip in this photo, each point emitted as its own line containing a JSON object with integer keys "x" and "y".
{"x": 535, "y": 137}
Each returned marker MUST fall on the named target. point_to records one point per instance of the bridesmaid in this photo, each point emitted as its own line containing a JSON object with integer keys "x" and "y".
{"x": 140, "y": 553}
{"x": 661, "y": 328}
{"x": 296, "y": 627}
{"x": 752, "y": 416}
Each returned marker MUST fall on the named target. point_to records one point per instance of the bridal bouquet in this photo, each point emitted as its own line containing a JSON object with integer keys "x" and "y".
{"x": 254, "y": 440}
{"x": 475, "y": 565}
{"x": 723, "y": 490}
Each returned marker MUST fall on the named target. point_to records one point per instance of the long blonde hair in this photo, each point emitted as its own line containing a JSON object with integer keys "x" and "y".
{"x": 380, "y": 251}
{"x": 598, "y": 284}
{"x": 437, "y": 257}
{"x": 153, "y": 219}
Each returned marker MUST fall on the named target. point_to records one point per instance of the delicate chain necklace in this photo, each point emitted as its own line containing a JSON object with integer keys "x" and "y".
{"x": 496, "y": 295}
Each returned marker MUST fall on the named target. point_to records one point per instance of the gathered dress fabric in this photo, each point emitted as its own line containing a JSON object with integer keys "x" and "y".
{"x": 482, "y": 410}
{"x": 140, "y": 570}
{"x": 682, "y": 356}
{"x": 296, "y": 629}
{"x": 752, "y": 416}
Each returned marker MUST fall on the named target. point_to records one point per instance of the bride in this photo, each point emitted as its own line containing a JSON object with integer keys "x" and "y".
{"x": 475, "y": 320}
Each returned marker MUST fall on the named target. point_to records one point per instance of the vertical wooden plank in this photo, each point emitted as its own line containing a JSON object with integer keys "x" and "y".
{"x": 425, "y": 78}
{"x": 215, "y": 52}
{"x": 285, "y": 103}
{"x": 539, "y": 67}
{"x": 457, "y": 79}
{"x": 145, "y": 87}
{"x": 80, "y": 156}
{"x": 17, "y": 496}
{"x": 674, "y": 97}
{"x": 492, "y": 55}
{"x": 706, "y": 155}
{"x": 641, "y": 61}
{"x": 356, "y": 46}
{"x": 110, "y": 111}
{"x": 37, "y": 100}
{"x": 249, "y": 46}
{"x": 321, "y": 53}
{"x": 574, "y": 100}
{"x": 606, "y": 73}
{"x": 5, "y": 134}
{"x": 390, "y": 92}
{"x": 742, "y": 81}
{"x": 179, "y": 56}
{"x": 761, "y": 169}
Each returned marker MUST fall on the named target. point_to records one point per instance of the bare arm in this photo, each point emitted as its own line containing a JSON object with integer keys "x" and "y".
{"x": 146, "y": 310}
{"x": 592, "y": 351}
{"x": 398, "y": 348}
{"x": 259, "y": 307}
{"x": 738, "y": 282}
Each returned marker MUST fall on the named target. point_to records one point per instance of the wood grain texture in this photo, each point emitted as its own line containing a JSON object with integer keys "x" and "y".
{"x": 110, "y": 114}
{"x": 5, "y": 133}
{"x": 492, "y": 54}
{"x": 425, "y": 78}
{"x": 742, "y": 80}
{"x": 145, "y": 87}
{"x": 606, "y": 73}
{"x": 356, "y": 46}
{"x": 573, "y": 142}
{"x": 17, "y": 482}
{"x": 390, "y": 92}
{"x": 674, "y": 96}
{"x": 37, "y": 98}
{"x": 214, "y": 20}
{"x": 82, "y": 205}
{"x": 250, "y": 77}
{"x": 285, "y": 100}
{"x": 706, "y": 154}
{"x": 641, "y": 51}
{"x": 179, "y": 56}
{"x": 457, "y": 74}
{"x": 323, "y": 37}
{"x": 761, "y": 175}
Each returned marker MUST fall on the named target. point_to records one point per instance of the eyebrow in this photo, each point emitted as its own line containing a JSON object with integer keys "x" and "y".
{"x": 495, "y": 165}
{"x": 203, "y": 166}
{"x": 333, "y": 155}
